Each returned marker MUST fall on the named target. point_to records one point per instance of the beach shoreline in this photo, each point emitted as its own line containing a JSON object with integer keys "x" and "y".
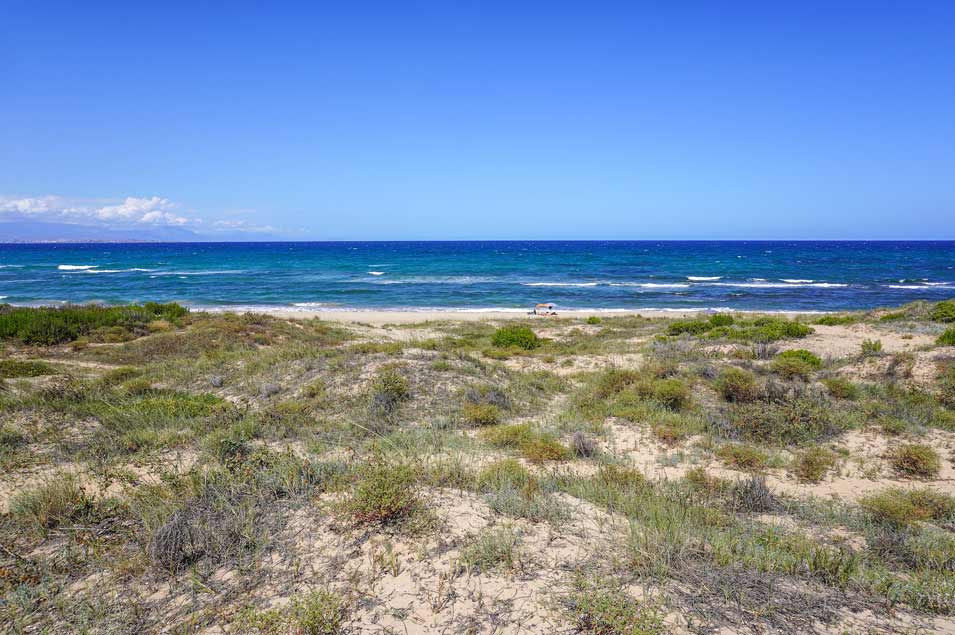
{"x": 396, "y": 316}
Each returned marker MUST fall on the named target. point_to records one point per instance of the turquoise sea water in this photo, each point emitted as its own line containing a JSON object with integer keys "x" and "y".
{"x": 808, "y": 276}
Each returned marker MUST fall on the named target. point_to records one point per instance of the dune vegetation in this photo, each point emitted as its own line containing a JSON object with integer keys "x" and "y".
{"x": 166, "y": 471}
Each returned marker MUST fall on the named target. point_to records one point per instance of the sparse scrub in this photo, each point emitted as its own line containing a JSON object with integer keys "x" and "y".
{"x": 742, "y": 457}
{"x": 904, "y": 506}
{"x": 497, "y": 548}
{"x": 385, "y": 494}
{"x": 531, "y": 443}
{"x": 46, "y": 325}
{"x": 753, "y": 495}
{"x": 479, "y": 414}
{"x": 871, "y": 348}
{"x": 600, "y": 610}
{"x": 389, "y": 390}
{"x": 59, "y": 501}
{"x": 841, "y": 388}
{"x": 583, "y": 445}
{"x": 947, "y": 338}
{"x": 317, "y": 613}
{"x": 12, "y": 368}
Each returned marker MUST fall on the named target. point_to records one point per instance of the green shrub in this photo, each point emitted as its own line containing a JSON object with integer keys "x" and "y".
{"x": 809, "y": 358}
{"x": 916, "y": 459}
{"x": 532, "y": 444}
{"x": 495, "y": 548}
{"x": 504, "y": 473}
{"x": 721, "y": 319}
{"x": 384, "y": 494}
{"x": 692, "y": 327}
{"x": 593, "y": 319}
{"x": 946, "y": 386}
{"x": 943, "y": 311}
{"x": 480, "y": 414}
{"x": 388, "y": 391}
{"x": 742, "y": 457}
{"x": 10, "y": 368}
{"x": 515, "y": 336}
{"x": 813, "y": 464}
{"x": 947, "y": 338}
{"x": 836, "y": 320}
{"x": 789, "y": 422}
{"x": 792, "y": 368}
{"x": 670, "y": 393}
{"x": 841, "y": 388}
{"x": 904, "y": 506}
{"x": 737, "y": 385}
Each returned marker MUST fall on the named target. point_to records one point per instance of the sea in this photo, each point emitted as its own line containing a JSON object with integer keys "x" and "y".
{"x": 483, "y": 275}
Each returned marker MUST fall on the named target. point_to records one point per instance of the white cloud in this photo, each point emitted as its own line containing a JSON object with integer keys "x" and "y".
{"x": 242, "y": 226}
{"x": 153, "y": 210}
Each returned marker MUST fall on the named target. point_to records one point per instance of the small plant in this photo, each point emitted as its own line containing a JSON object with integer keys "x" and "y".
{"x": 389, "y": 390}
{"x": 593, "y": 319}
{"x": 943, "y": 311}
{"x": 841, "y": 388}
{"x": 385, "y": 494}
{"x": 318, "y": 613}
{"x": 742, "y": 457}
{"x": 916, "y": 459}
{"x": 583, "y": 445}
{"x": 871, "y": 348}
{"x": 671, "y": 393}
{"x": 753, "y": 495}
{"x": 947, "y": 338}
{"x": 904, "y": 506}
{"x": 515, "y": 337}
{"x": 504, "y": 473}
{"x": 721, "y": 319}
{"x": 691, "y": 327}
{"x": 796, "y": 364}
{"x": 492, "y": 549}
{"x": 809, "y": 358}
{"x": 737, "y": 385}
{"x": 812, "y": 465}
{"x": 600, "y": 610}
{"x": 532, "y": 444}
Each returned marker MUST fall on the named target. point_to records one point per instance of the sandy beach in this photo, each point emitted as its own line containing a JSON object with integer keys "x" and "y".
{"x": 380, "y": 317}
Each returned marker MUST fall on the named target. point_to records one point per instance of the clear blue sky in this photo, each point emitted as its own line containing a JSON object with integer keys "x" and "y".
{"x": 353, "y": 120}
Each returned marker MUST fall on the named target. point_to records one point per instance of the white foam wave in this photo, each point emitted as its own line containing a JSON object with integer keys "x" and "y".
{"x": 796, "y": 280}
{"x": 4, "y": 297}
{"x": 211, "y": 272}
{"x": 377, "y": 273}
{"x": 75, "y": 267}
{"x": 652, "y": 285}
{"x": 703, "y": 278}
{"x": 779, "y": 285}
{"x": 937, "y": 286}
{"x": 560, "y": 284}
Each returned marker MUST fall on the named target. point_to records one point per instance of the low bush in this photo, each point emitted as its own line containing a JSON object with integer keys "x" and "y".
{"x": 515, "y": 337}
{"x": 904, "y": 506}
{"x": 742, "y": 457}
{"x": 916, "y": 459}
{"x": 670, "y": 393}
{"x": 504, "y": 473}
{"x": 836, "y": 320}
{"x": 841, "y": 388}
{"x": 532, "y": 444}
{"x": 792, "y": 367}
{"x": 943, "y": 311}
{"x": 721, "y": 319}
{"x": 812, "y": 465}
{"x": 593, "y": 319}
{"x": 947, "y": 338}
{"x": 388, "y": 391}
{"x": 583, "y": 445}
{"x": 753, "y": 495}
{"x": 787, "y": 422}
{"x": 481, "y": 414}
{"x": 496, "y": 548}
{"x": 11, "y": 368}
{"x": 946, "y": 386}
{"x": 385, "y": 494}
{"x": 809, "y": 358}
{"x": 317, "y": 613}
{"x": 691, "y": 327}
{"x": 737, "y": 385}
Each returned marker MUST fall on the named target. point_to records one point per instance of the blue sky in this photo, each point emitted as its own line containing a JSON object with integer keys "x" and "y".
{"x": 482, "y": 120}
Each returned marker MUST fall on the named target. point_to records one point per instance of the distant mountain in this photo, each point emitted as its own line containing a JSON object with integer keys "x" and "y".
{"x": 25, "y": 230}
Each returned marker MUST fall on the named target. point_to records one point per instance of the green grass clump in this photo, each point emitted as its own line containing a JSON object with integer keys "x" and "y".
{"x": 515, "y": 337}
{"x": 691, "y": 327}
{"x": 47, "y": 325}
{"x": 841, "y": 388}
{"x": 385, "y": 494}
{"x": 57, "y": 502}
{"x": 10, "y": 368}
{"x": 670, "y": 393}
{"x": 790, "y": 422}
{"x": 916, "y": 459}
{"x": 496, "y": 548}
{"x": 943, "y": 311}
{"x": 593, "y": 319}
{"x": 871, "y": 347}
{"x": 796, "y": 364}
{"x": 737, "y": 385}
{"x": 317, "y": 613}
{"x": 597, "y": 609}
{"x": 947, "y": 338}
{"x": 504, "y": 473}
{"x": 905, "y": 506}
{"x": 809, "y": 358}
{"x": 388, "y": 391}
{"x": 836, "y": 320}
{"x": 532, "y": 444}
{"x": 721, "y": 319}
{"x": 812, "y": 464}
{"x": 742, "y": 457}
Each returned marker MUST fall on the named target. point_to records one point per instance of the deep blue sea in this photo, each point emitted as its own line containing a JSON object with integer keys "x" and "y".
{"x": 806, "y": 276}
